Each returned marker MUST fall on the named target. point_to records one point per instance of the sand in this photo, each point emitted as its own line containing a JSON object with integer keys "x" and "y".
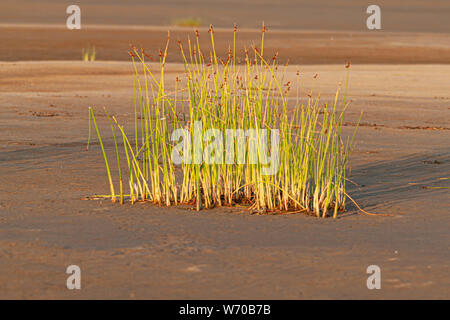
{"x": 144, "y": 251}
{"x": 31, "y": 42}
{"x": 397, "y": 15}
{"x": 399, "y": 79}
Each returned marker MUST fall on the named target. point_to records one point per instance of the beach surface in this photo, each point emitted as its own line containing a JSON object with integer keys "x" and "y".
{"x": 399, "y": 80}
{"x": 400, "y": 166}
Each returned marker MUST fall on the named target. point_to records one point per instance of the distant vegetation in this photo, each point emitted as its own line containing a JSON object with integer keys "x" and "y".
{"x": 89, "y": 54}
{"x": 187, "y": 22}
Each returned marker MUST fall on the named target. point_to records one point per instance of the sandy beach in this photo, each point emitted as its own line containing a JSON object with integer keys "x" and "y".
{"x": 398, "y": 80}
{"x": 145, "y": 251}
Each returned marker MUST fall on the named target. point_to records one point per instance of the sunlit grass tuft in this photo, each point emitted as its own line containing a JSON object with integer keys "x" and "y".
{"x": 220, "y": 94}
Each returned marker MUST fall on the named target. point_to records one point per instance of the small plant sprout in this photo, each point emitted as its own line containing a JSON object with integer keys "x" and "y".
{"x": 229, "y": 134}
{"x": 88, "y": 54}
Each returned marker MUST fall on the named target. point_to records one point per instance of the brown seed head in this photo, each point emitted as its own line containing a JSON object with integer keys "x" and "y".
{"x": 147, "y": 55}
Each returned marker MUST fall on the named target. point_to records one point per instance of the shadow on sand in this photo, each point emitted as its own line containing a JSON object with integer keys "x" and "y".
{"x": 407, "y": 179}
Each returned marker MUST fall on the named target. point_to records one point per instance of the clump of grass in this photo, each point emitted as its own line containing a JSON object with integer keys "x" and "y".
{"x": 187, "y": 22}
{"x": 88, "y": 54}
{"x": 219, "y": 94}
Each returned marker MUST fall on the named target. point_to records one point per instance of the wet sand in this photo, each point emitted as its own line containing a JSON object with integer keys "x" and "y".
{"x": 144, "y": 251}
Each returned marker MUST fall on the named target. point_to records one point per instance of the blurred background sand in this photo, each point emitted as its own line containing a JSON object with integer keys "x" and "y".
{"x": 399, "y": 79}
{"x": 348, "y": 15}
